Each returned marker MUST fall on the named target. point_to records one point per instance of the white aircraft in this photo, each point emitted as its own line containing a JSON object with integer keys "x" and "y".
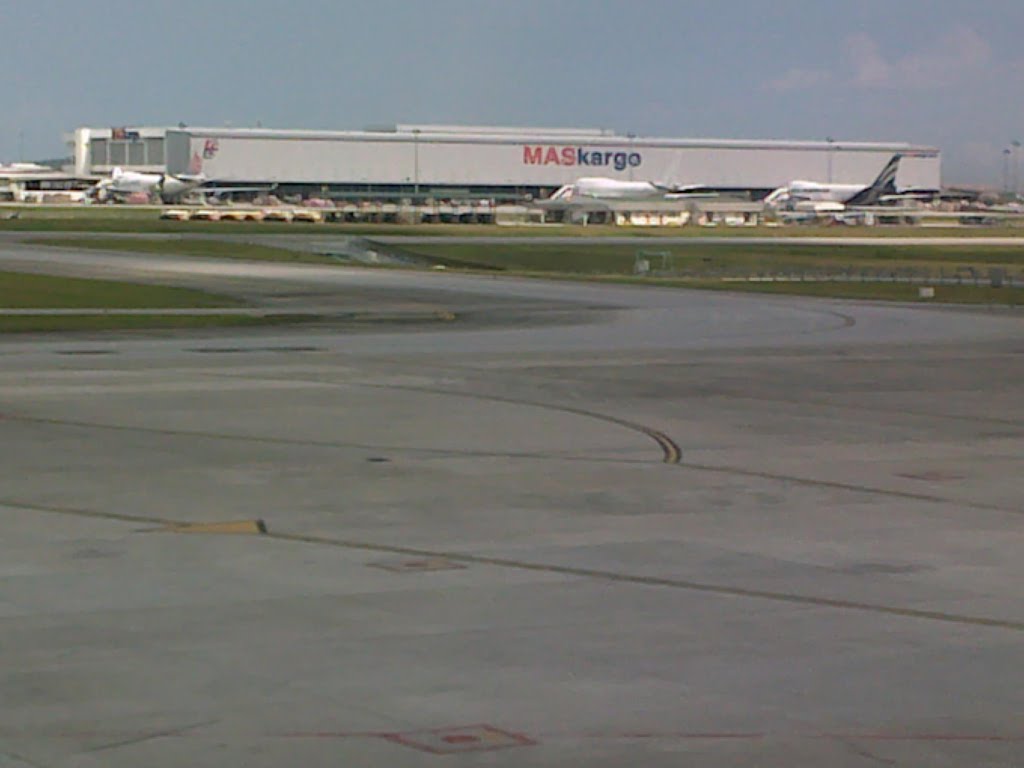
{"x": 815, "y": 197}
{"x": 165, "y": 186}
{"x": 600, "y": 188}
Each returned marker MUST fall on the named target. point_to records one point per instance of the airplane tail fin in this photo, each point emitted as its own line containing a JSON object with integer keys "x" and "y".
{"x": 564, "y": 192}
{"x": 777, "y": 197}
{"x": 881, "y": 187}
{"x": 117, "y": 173}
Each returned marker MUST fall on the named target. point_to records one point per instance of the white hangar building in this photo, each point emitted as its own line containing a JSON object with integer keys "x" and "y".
{"x": 461, "y": 161}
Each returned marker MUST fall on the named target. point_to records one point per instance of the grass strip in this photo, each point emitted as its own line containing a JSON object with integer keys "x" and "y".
{"x": 714, "y": 258}
{"x": 51, "y": 323}
{"x": 944, "y": 294}
{"x": 218, "y": 249}
{"x": 23, "y": 290}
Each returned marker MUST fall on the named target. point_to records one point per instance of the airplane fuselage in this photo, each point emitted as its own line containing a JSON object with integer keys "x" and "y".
{"x": 829, "y": 193}
{"x": 601, "y": 188}
{"x": 612, "y": 189}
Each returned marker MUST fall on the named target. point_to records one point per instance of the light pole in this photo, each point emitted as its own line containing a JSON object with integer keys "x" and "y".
{"x": 631, "y": 136}
{"x": 1006, "y": 170}
{"x": 1016, "y": 168}
{"x": 416, "y": 163}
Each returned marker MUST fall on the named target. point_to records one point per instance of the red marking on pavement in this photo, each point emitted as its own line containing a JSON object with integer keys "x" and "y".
{"x": 438, "y": 741}
{"x": 463, "y": 739}
{"x": 925, "y": 736}
{"x": 697, "y": 735}
{"x": 485, "y": 737}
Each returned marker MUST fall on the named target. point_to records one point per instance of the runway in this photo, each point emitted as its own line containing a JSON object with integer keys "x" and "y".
{"x": 570, "y": 524}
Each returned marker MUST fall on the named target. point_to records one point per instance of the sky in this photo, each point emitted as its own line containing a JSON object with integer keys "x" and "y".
{"x": 933, "y": 72}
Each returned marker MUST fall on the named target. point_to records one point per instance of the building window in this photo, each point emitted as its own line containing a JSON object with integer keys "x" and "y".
{"x": 118, "y": 153}
{"x": 136, "y": 153}
{"x": 154, "y": 151}
{"x": 98, "y": 152}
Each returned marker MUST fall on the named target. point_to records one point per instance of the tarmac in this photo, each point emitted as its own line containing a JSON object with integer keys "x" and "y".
{"x": 570, "y": 524}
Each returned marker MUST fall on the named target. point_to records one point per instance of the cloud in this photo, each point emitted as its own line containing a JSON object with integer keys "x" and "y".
{"x": 957, "y": 55}
{"x": 870, "y": 69}
{"x": 798, "y": 79}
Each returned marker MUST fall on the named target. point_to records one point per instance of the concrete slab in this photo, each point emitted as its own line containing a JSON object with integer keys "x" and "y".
{"x": 828, "y": 574}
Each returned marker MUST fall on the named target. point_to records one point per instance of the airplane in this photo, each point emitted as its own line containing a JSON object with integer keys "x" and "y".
{"x": 167, "y": 187}
{"x": 600, "y": 188}
{"x": 123, "y": 183}
{"x": 815, "y": 197}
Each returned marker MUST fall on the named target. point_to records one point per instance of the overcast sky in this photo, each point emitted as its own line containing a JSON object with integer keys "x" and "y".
{"x": 939, "y": 72}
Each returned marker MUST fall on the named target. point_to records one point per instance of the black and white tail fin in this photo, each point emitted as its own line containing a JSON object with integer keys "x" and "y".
{"x": 882, "y": 186}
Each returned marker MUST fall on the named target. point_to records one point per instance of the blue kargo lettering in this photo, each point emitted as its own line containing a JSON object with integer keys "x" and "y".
{"x": 582, "y": 157}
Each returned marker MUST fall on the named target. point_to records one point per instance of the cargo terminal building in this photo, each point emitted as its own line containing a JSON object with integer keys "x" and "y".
{"x": 502, "y": 164}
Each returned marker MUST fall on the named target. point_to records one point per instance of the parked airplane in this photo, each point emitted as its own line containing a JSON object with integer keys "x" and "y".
{"x": 600, "y": 188}
{"x": 165, "y": 186}
{"x": 815, "y": 197}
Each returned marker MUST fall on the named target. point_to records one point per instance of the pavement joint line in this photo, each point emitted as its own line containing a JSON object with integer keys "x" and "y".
{"x": 654, "y": 581}
{"x": 143, "y": 737}
{"x": 564, "y": 570}
{"x": 875, "y": 409}
{"x": 852, "y": 487}
{"x": 669, "y": 449}
{"x": 272, "y": 440}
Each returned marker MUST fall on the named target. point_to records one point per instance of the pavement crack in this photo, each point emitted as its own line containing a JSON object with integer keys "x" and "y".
{"x": 144, "y": 737}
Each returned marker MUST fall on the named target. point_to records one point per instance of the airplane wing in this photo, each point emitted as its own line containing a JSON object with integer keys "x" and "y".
{"x": 686, "y": 191}
{"x": 229, "y": 190}
{"x": 681, "y": 189}
{"x": 911, "y": 193}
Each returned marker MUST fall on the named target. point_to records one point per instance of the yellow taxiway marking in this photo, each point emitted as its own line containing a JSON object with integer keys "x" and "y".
{"x": 234, "y": 527}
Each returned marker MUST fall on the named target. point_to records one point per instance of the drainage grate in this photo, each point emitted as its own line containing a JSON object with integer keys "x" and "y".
{"x": 470, "y": 738}
{"x": 418, "y": 565}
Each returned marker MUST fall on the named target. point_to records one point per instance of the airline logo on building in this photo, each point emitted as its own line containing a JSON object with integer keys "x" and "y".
{"x": 580, "y": 156}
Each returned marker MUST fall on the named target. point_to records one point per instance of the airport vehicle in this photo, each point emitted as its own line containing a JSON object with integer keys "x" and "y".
{"x": 817, "y": 198}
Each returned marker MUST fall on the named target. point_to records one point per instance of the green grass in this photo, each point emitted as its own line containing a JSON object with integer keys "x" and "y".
{"x": 712, "y": 258}
{"x": 951, "y": 294}
{"x": 52, "y": 323}
{"x": 694, "y": 266}
{"x": 20, "y": 290}
{"x": 219, "y": 249}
